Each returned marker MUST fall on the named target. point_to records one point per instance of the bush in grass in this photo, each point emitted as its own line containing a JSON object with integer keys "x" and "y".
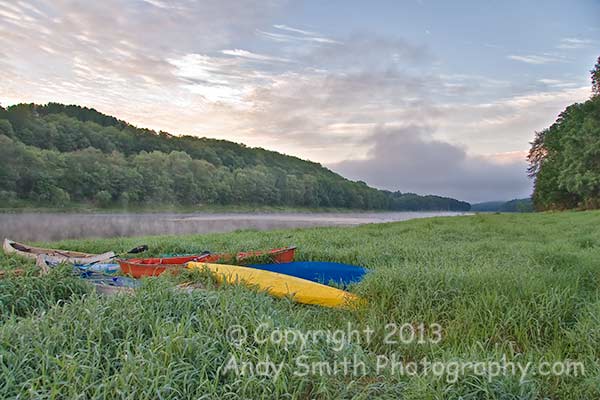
{"x": 103, "y": 198}
{"x": 59, "y": 197}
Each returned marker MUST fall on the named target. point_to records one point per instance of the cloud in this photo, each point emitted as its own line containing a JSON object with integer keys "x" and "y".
{"x": 117, "y": 55}
{"x": 157, "y": 3}
{"x": 372, "y": 53}
{"x": 296, "y": 35}
{"x": 302, "y": 107}
{"x": 574, "y": 43}
{"x": 410, "y": 160}
{"x": 535, "y": 59}
{"x": 295, "y": 30}
{"x": 557, "y": 83}
{"x": 253, "y": 56}
{"x": 114, "y": 38}
{"x": 504, "y": 124}
{"x": 314, "y": 108}
{"x": 217, "y": 79}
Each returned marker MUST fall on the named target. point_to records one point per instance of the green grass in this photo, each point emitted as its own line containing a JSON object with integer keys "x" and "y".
{"x": 521, "y": 286}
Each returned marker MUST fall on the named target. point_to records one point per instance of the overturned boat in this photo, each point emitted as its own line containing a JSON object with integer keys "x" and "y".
{"x": 280, "y": 285}
{"x": 54, "y": 256}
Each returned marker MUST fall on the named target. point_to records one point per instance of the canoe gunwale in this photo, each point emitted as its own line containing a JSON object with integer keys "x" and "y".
{"x": 32, "y": 252}
{"x": 96, "y": 258}
{"x": 138, "y": 269}
{"x": 43, "y": 256}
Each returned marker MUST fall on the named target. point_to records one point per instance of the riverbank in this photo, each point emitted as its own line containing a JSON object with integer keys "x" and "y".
{"x": 476, "y": 289}
{"x": 89, "y": 208}
{"x": 22, "y": 206}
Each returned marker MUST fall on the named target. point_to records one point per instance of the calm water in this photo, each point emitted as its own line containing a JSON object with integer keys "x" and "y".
{"x": 57, "y": 226}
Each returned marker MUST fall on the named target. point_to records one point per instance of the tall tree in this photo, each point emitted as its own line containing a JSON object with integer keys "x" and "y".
{"x": 596, "y": 79}
{"x": 564, "y": 159}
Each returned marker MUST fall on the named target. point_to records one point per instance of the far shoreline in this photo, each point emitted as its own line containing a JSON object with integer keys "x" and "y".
{"x": 208, "y": 209}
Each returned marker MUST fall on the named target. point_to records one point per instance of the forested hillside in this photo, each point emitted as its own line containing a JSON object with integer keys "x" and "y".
{"x": 516, "y": 205}
{"x": 565, "y": 158}
{"x": 56, "y": 154}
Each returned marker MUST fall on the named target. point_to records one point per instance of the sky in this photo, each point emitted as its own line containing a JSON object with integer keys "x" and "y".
{"x": 430, "y": 97}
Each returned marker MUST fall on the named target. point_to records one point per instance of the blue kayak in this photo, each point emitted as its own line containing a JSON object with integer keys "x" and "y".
{"x": 318, "y": 271}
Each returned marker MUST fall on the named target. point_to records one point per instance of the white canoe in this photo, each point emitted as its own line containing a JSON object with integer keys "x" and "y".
{"x": 54, "y": 256}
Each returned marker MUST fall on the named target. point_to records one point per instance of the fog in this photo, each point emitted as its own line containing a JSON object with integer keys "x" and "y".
{"x": 58, "y": 226}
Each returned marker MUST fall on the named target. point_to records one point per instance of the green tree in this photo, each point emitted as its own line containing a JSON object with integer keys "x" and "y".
{"x": 596, "y": 79}
{"x": 564, "y": 159}
{"x": 6, "y": 128}
{"x": 103, "y": 198}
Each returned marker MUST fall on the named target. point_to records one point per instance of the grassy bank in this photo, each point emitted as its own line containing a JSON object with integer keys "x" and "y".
{"x": 520, "y": 288}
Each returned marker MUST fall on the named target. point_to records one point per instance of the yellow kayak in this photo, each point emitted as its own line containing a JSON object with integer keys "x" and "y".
{"x": 279, "y": 285}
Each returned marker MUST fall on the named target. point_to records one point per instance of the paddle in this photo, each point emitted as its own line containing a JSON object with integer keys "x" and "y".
{"x": 138, "y": 249}
{"x": 135, "y": 250}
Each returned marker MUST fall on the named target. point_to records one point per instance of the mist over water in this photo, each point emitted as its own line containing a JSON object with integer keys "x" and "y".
{"x": 58, "y": 226}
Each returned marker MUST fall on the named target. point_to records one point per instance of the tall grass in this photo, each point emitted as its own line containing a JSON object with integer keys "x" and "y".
{"x": 28, "y": 293}
{"x": 521, "y": 286}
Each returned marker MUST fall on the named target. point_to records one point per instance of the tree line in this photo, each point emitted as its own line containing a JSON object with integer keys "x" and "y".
{"x": 57, "y": 154}
{"x": 515, "y": 205}
{"x": 564, "y": 159}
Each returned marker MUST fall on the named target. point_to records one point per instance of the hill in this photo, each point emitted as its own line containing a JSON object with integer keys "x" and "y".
{"x": 55, "y": 154}
{"x": 516, "y": 205}
{"x": 488, "y": 206}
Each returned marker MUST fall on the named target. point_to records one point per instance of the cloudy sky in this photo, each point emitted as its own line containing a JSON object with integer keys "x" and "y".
{"x": 423, "y": 96}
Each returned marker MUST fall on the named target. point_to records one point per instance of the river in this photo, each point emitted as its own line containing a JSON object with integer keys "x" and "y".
{"x": 58, "y": 226}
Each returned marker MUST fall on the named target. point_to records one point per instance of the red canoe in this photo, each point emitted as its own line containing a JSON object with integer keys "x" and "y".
{"x": 139, "y": 267}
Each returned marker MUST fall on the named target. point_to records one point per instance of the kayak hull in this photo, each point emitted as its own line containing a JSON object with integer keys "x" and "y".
{"x": 12, "y": 247}
{"x": 93, "y": 259}
{"x": 279, "y": 285}
{"x": 140, "y": 267}
{"x": 318, "y": 271}
{"x": 53, "y": 256}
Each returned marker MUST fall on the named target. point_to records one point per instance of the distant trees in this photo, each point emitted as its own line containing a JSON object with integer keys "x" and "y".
{"x": 6, "y": 128}
{"x": 55, "y": 154}
{"x": 564, "y": 159}
{"x": 515, "y": 205}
